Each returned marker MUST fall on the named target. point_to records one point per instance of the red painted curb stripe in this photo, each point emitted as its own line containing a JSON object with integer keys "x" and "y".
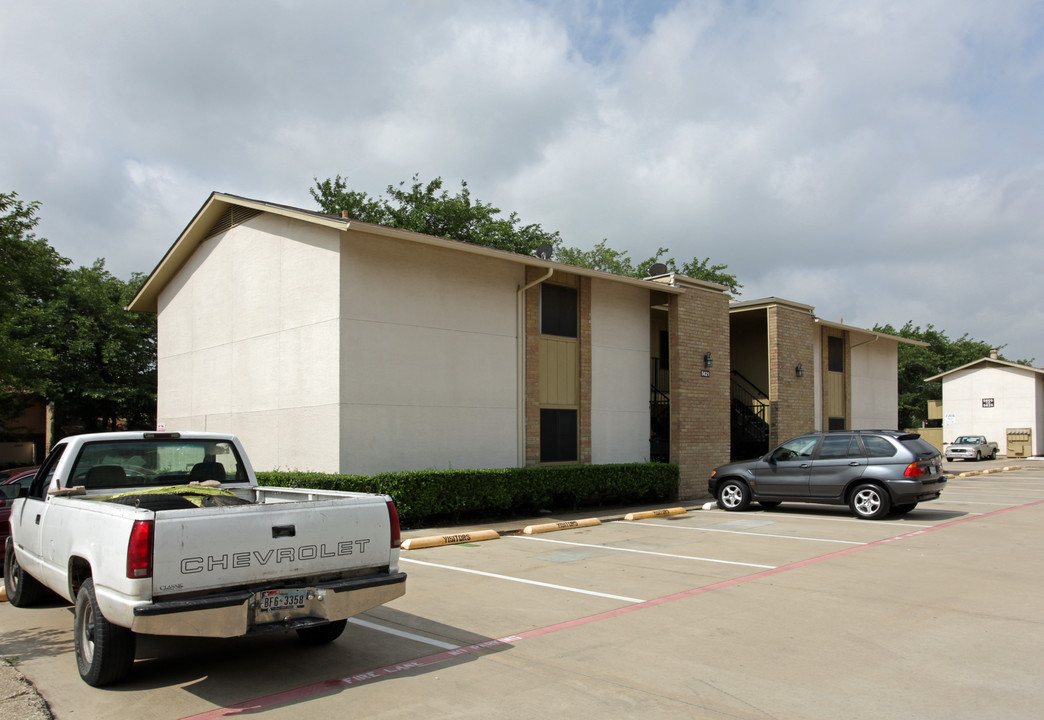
{"x": 269, "y": 701}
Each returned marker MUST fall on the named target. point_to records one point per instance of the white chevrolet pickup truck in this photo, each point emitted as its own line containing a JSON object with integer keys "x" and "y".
{"x": 170, "y": 534}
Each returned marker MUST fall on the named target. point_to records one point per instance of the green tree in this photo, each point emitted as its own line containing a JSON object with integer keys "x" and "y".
{"x": 428, "y": 209}
{"x": 65, "y": 335}
{"x": 30, "y": 272}
{"x": 602, "y": 257}
{"x": 916, "y": 363}
{"x": 101, "y": 372}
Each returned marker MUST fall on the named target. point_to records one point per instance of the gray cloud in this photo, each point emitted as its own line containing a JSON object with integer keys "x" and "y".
{"x": 881, "y": 161}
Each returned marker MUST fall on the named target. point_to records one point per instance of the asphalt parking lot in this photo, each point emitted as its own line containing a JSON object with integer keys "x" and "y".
{"x": 801, "y": 612}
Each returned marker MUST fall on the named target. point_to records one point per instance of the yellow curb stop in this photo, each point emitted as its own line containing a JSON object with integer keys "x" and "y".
{"x": 438, "y": 540}
{"x": 970, "y": 474}
{"x": 564, "y": 525}
{"x": 1014, "y": 467}
{"x": 655, "y": 513}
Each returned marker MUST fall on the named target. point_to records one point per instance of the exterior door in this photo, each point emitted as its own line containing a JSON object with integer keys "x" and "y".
{"x": 785, "y": 472}
{"x": 839, "y": 460}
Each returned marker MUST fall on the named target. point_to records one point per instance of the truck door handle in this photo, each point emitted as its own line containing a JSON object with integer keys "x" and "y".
{"x": 37, "y": 519}
{"x": 279, "y": 531}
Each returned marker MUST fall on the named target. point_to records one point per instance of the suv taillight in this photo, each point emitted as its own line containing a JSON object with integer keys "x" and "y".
{"x": 915, "y": 470}
{"x": 139, "y": 550}
{"x": 393, "y": 520}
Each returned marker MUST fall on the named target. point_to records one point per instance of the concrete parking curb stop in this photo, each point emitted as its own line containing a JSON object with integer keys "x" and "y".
{"x": 439, "y": 540}
{"x": 655, "y": 513}
{"x": 564, "y": 525}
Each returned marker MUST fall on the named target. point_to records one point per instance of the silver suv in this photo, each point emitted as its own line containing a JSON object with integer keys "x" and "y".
{"x": 874, "y": 472}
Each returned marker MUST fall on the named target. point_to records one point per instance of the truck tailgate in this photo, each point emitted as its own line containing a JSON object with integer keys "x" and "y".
{"x": 225, "y": 547}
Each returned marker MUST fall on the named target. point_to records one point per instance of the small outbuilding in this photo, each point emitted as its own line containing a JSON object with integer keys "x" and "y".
{"x": 999, "y": 399}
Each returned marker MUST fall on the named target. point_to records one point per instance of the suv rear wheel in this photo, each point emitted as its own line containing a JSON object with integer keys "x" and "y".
{"x": 733, "y": 495}
{"x": 869, "y": 502}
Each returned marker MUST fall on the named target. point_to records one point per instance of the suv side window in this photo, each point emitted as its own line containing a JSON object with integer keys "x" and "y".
{"x": 797, "y": 449}
{"x": 839, "y": 446}
{"x": 878, "y": 446}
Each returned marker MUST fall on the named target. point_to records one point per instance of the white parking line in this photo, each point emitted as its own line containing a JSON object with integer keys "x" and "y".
{"x": 740, "y": 532}
{"x": 1015, "y": 499}
{"x": 614, "y": 548}
{"x": 402, "y": 634}
{"x": 786, "y": 515}
{"x": 521, "y": 580}
{"x": 949, "y": 501}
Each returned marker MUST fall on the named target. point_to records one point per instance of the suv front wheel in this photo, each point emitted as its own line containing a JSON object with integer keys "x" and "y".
{"x": 869, "y": 502}
{"x": 733, "y": 495}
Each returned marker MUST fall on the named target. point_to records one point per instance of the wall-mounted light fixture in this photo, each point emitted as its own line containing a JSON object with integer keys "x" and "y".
{"x": 799, "y": 371}
{"x": 708, "y": 361}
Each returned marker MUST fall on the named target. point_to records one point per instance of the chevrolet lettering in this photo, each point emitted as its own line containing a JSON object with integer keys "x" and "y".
{"x": 208, "y": 552}
{"x": 230, "y": 561}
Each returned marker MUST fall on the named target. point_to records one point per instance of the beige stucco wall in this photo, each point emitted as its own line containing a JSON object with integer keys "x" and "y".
{"x": 1016, "y": 404}
{"x": 875, "y": 384}
{"x": 428, "y": 360}
{"x": 247, "y": 337}
{"x": 619, "y": 373}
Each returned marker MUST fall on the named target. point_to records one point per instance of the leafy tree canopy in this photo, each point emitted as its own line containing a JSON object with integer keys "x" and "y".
{"x": 918, "y": 363}
{"x": 427, "y": 208}
{"x": 65, "y": 335}
{"x": 606, "y": 258}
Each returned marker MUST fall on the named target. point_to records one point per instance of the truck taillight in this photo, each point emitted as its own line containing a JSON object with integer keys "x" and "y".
{"x": 915, "y": 470}
{"x": 393, "y": 521}
{"x": 139, "y": 550}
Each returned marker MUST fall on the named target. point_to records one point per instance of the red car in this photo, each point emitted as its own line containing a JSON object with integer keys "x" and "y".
{"x": 8, "y": 479}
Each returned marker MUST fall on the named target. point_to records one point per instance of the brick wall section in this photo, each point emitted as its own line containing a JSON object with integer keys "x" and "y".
{"x": 585, "y": 370}
{"x": 532, "y": 310}
{"x": 533, "y": 368}
{"x": 792, "y": 333}
{"x": 699, "y": 323}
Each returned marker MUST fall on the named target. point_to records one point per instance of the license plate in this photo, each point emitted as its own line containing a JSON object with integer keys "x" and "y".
{"x": 275, "y": 600}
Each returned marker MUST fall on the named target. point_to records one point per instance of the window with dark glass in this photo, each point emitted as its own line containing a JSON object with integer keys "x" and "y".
{"x": 835, "y": 423}
{"x": 558, "y": 435}
{"x": 835, "y": 354}
{"x": 558, "y": 311}
{"x": 878, "y": 447}
{"x": 840, "y": 446}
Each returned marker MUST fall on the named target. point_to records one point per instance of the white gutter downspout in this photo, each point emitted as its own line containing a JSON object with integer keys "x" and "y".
{"x": 520, "y": 319}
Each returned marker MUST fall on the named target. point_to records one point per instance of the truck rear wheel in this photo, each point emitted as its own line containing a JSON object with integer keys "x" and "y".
{"x": 23, "y": 590}
{"x": 322, "y": 634}
{"x": 104, "y": 652}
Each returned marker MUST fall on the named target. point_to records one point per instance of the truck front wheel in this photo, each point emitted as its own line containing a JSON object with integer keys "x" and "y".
{"x": 23, "y": 590}
{"x": 104, "y": 652}
{"x": 322, "y": 634}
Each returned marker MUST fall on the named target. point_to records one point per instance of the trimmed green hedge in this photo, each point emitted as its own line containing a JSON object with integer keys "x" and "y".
{"x": 428, "y": 496}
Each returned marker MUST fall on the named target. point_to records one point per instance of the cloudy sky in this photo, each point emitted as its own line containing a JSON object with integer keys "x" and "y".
{"x": 881, "y": 160}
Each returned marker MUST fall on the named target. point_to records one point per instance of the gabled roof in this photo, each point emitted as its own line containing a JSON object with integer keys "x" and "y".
{"x": 218, "y": 212}
{"x": 987, "y": 362}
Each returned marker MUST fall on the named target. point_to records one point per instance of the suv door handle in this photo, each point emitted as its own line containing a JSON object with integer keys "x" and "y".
{"x": 854, "y": 464}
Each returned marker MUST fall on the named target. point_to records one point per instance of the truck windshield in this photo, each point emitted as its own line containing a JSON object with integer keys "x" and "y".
{"x": 155, "y": 463}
